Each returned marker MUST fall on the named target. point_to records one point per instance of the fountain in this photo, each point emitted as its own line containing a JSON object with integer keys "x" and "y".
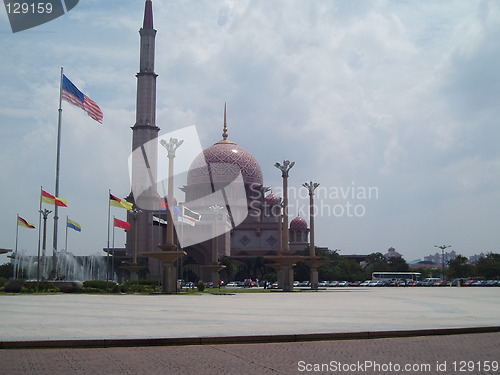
{"x": 69, "y": 266}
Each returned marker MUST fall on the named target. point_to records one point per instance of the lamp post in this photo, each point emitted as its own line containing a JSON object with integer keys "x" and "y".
{"x": 216, "y": 209}
{"x": 442, "y": 247}
{"x": 45, "y": 213}
{"x": 285, "y": 169}
{"x": 285, "y": 261}
{"x": 215, "y": 267}
{"x": 169, "y": 253}
{"x": 172, "y": 145}
{"x": 311, "y": 187}
{"x": 313, "y": 262}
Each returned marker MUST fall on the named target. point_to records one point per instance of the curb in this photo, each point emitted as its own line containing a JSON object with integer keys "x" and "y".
{"x": 224, "y": 340}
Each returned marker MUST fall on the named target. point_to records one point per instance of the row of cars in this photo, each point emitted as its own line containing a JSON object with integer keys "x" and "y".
{"x": 369, "y": 283}
{"x": 425, "y": 282}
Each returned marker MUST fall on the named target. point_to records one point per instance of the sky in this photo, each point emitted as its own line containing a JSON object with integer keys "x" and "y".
{"x": 392, "y": 106}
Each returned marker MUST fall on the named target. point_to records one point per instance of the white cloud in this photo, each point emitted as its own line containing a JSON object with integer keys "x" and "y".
{"x": 398, "y": 95}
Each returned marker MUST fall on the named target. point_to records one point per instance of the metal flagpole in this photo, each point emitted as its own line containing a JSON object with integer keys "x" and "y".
{"x": 17, "y": 231}
{"x": 107, "y": 257}
{"x": 113, "y": 259}
{"x": 66, "y": 242}
{"x": 39, "y": 240}
{"x": 58, "y": 162}
{"x": 17, "y": 255}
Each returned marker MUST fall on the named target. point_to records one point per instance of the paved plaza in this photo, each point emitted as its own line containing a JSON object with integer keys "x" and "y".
{"x": 131, "y": 320}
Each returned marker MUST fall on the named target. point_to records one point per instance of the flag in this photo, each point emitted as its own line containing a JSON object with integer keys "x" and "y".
{"x": 71, "y": 94}
{"x": 117, "y": 202}
{"x": 23, "y": 223}
{"x": 50, "y": 199}
{"x": 163, "y": 205}
{"x": 188, "y": 216}
{"x": 74, "y": 225}
{"x": 159, "y": 221}
{"x": 121, "y": 224}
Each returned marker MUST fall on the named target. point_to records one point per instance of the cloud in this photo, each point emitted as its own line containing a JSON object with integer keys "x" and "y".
{"x": 401, "y": 96}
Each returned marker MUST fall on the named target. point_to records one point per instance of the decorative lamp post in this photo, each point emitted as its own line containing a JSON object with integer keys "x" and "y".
{"x": 169, "y": 254}
{"x": 442, "y": 247}
{"x": 285, "y": 260}
{"x": 313, "y": 262}
{"x": 45, "y": 214}
{"x": 215, "y": 267}
{"x": 172, "y": 145}
{"x": 285, "y": 169}
{"x": 311, "y": 187}
{"x": 135, "y": 213}
{"x": 133, "y": 268}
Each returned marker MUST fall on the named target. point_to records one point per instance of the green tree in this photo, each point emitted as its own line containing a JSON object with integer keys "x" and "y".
{"x": 489, "y": 266}
{"x": 7, "y": 270}
{"x": 458, "y": 268}
{"x": 398, "y": 264}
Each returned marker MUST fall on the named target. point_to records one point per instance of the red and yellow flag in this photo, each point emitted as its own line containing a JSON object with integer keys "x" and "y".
{"x": 23, "y": 223}
{"x": 122, "y": 203}
{"x": 50, "y": 199}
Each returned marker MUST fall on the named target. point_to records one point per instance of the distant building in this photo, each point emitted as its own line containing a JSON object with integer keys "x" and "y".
{"x": 438, "y": 257}
{"x": 392, "y": 253}
{"x": 474, "y": 258}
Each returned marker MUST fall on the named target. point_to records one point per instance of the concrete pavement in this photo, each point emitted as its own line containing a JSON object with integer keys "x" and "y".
{"x": 137, "y": 321}
{"x": 93, "y": 317}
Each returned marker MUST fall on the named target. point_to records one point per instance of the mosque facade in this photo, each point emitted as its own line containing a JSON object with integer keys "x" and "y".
{"x": 246, "y": 224}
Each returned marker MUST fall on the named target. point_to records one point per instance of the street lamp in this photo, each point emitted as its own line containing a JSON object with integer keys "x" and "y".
{"x": 311, "y": 187}
{"x": 45, "y": 213}
{"x": 172, "y": 145}
{"x": 442, "y": 247}
{"x": 285, "y": 169}
{"x": 216, "y": 209}
{"x": 135, "y": 213}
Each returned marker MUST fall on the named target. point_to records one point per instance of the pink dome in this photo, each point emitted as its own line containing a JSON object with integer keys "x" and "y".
{"x": 272, "y": 199}
{"x": 298, "y": 224}
{"x": 225, "y": 160}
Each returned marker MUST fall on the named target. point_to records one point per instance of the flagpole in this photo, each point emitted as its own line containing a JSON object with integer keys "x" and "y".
{"x": 109, "y": 213}
{"x": 58, "y": 162}
{"x": 113, "y": 259}
{"x": 39, "y": 240}
{"x": 17, "y": 255}
{"x": 66, "y": 242}
{"x": 17, "y": 231}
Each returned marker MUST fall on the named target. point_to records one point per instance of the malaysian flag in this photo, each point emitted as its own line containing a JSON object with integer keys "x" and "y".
{"x": 71, "y": 94}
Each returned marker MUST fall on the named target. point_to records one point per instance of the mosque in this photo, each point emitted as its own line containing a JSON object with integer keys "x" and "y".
{"x": 236, "y": 235}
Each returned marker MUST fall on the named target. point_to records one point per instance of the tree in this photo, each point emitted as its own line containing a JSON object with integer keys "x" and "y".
{"x": 7, "y": 270}
{"x": 398, "y": 264}
{"x": 489, "y": 266}
{"x": 458, "y": 268}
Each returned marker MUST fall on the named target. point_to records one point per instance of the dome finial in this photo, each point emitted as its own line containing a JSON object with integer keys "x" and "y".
{"x": 224, "y": 132}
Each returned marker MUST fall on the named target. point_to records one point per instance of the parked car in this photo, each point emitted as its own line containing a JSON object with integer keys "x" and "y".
{"x": 333, "y": 283}
{"x": 304, "y": 284}
{"x": 365, "y": 283}
{"x": 430, "y": 281}
{"x": 343, "y": 283}
{"x": 233, "y": 284}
